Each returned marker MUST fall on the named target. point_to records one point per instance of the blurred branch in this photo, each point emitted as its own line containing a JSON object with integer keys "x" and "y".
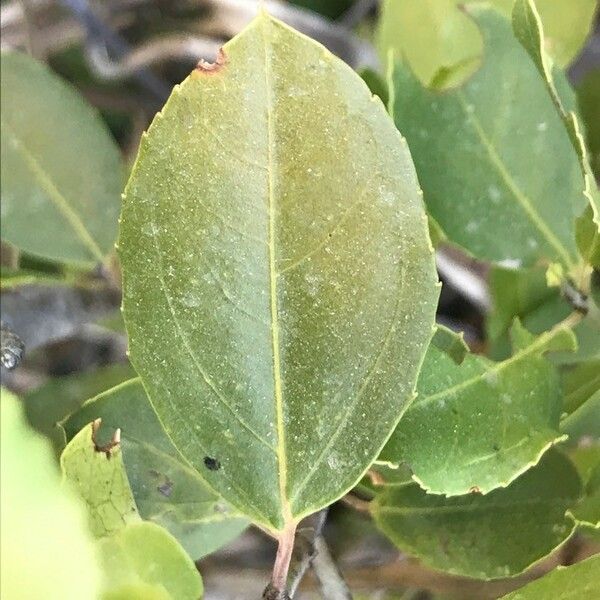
{"x": 357, "y": 12}
{"x": 216, "y": 20}
{"x": 333, "y": 586}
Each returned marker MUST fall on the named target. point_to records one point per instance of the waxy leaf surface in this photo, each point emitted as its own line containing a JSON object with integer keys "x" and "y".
{"x": 279, "y": 286}
{"x": 486, "y": 537}
{"x": 167, "y": 491}
{"x": 61, "y": 170}
{"x": 478, "y": 425}
{"x": 481, "y": 153}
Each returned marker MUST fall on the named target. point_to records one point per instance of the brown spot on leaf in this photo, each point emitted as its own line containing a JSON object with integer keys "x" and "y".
{"x": 474, "y": 490}
{"x": 209, "y": 68}
{"x": 106, "y": 448}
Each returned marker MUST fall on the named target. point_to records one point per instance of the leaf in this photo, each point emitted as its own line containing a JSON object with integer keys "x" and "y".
{"x": 450, "y": 342}
{"x": 585, "y": 421}
{"x": 579, "y": 383}
{"x": 36, "y": 512}
{"x": 61, "y": 170}
{"x": 588, "y": 102}
{"x": 587, "y": 512}
{"x": 144, "y": 562}
{"x": 166, "y": 490}
{"x": 430, "y": 35}
{"x": 479, "y": 425}
{"x": 53, "y": 401}
{"x": 486, "y": 537}
{"x": 279, "y": 284}
{"x": 529, "y": 31}
{"x": 98, "y": 475}
{"x": 523, "y": 293}
{"x": 433, "y": 35}
{"x": 563, "y": 583}
{"x": 511, "y": 200}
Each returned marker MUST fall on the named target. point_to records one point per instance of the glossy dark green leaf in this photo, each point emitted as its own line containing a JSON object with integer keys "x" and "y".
{"x": 167, "y": 491}
{"x": 577, "y": 582}
{"x": 479, "y": 425}
{"x": 496, "y": 535}
{"x": 279, "y": 284}
{"x": 481, "y": 153}
{"x": 61, "y": 170}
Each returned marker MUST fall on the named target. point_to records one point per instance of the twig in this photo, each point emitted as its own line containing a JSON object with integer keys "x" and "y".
{"x": 304, "y": 548}
{"x": 357, "y": 12}
{"x": 576, "y": 298}
{"x": 101, "y": 38}
{"x": 333, "y": 586}
{"x": 356, "y": 503}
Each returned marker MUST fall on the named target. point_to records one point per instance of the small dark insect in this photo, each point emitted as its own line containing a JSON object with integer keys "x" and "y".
{"x": 212, "y": 463}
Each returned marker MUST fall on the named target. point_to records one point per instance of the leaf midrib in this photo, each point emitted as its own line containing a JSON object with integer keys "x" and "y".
{"x": 59, "y": 200}
{"x": 518, "y": 194}
{"x": 495, "y": 369}
{"x": 275, "y": 343}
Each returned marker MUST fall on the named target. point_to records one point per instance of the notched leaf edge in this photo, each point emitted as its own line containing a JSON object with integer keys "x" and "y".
{"x": 210, "y": 68}
{"x": 108, "y": 448}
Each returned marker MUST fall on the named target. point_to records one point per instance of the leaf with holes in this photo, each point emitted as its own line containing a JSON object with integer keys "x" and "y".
{"x": 279, "y": 284}
{"x": 166, "y": 490}
{"x": 98, "y": 475}
{"x": 61, "y": 170}
{"x": 480, "y": 424}
{"x": 484, "y": 146}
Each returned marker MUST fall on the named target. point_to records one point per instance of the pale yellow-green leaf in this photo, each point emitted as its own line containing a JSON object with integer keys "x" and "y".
{"x": 99, "y": 477}
{"x": 46, "y": 550}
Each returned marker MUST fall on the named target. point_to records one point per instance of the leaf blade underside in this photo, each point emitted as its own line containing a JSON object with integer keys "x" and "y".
{"x": 298, "y": 293}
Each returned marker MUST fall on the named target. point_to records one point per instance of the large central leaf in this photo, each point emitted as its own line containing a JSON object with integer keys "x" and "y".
{"x": 279, "y": 286}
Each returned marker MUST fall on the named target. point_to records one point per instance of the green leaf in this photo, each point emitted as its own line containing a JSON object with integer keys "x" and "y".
{"x": 497, "y": 535}
{"x": 450, "y": 342}
{"x": 585, "y": 421}
{"x": 279, "y": 283}
{"x": 433, "y": 35}
{"x": 144, "y": 562}
{"x": 37, "y": 512}
{"x": 587, "y": 512}
{"x": 500, "y": 194}
{"x": 430, "y": 35}
{"x": 61, "y": 170}
{"x": 479, "y": 425}
{"x": 564, "y": 583}
{"x": 166, "y": 490}
{"x": 579, "y": 383}
{"x": 53, "y": 401}
{"x": 98, "y": 475}
{"x": 529, "y": 31}
{"x": 523, "y": 293}
{"x": 588, "y": 102}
